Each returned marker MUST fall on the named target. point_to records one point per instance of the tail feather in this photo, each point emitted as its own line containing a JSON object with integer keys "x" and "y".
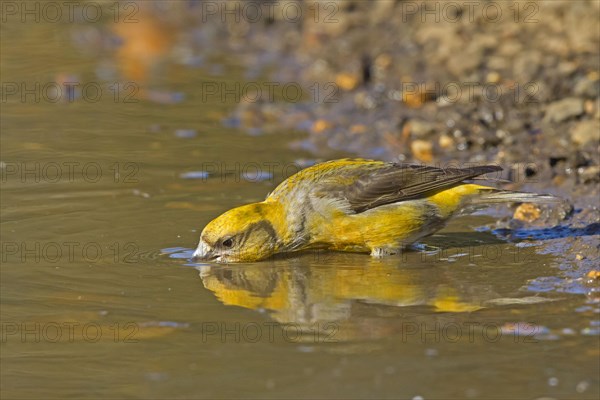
{"x": 507, "y": 196}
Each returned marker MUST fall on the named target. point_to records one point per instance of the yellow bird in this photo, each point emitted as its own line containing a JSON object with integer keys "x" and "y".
{"x": 350, "y": 205}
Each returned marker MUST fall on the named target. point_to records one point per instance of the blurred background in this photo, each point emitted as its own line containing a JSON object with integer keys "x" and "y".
{"x": 127, "y": 125}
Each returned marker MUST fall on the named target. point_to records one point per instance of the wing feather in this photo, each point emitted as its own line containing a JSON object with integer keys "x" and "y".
{"x": 388, "y": 183}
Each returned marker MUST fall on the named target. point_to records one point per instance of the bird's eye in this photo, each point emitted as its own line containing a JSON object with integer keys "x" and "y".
{"x": 227, "y": 242}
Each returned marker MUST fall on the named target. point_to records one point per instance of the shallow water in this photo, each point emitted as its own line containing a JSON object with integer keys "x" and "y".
{"x": 103, "y": 201}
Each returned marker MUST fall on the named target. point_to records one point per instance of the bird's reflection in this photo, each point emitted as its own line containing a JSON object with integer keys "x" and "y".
{"x": 357, "y": 293}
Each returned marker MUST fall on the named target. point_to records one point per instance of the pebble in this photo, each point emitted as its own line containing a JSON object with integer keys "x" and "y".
{"x": 594, "y": 274}
{"x": 413, "y": 99}
{"x": 493, "y": 77}
{"x": 347, "y": 81}
{"x": 321, "y": 126}
{"x": 553, "y": 381}
{"x": 527, "y": 212}
{"x": 422, "y": 150}
{"x": 587, "y": 87}
{"x": 582, "y": 386}
{"x": 358, "y": 129}
{"x": 590, "y": 107}
{"x": 446, "y": 142}
{"x": 564, "y": 109}
{"x": 420, "y": 128}
{"x": 589, "y": 174}
{"x": 383, "y": 61}
{"x": 586, "y": 132}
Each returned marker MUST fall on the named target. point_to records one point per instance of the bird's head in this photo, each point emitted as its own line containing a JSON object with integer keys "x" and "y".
{"x": 242, "y": 234}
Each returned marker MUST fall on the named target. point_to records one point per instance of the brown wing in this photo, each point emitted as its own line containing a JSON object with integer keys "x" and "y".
{"x": 399, "y": 182}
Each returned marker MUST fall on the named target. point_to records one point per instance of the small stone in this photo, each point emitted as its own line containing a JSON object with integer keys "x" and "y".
{"x": 579, "y": 257}
{"x": 582, "y": 386}
{"x": 358, "y": 128}
{"x": 590, "y": 107}
{"x": 567, "y": 67}
{"x": 589, "y": 174}
{"x": 553, "y": 381}
{"x": 422, "y": 150}
{"x": 446, "y": 142}
{"x": 527, "y": 212}
{"x": 527, "y": 65}
{"x": 564, "y": 109}
{"x": 594, "y": 274}
{"x": 422, "y": 94}
{"x": 420, "y": 128}
{"x": 364, "y": 100}
{"x": 559, "y": 180}
{"x": 460, "y": 66}
{"x": 347, "y": 81}
{"x": 383, "y": 61}
{"x": 321, "y": 126}
{"x": 493, "y": 77}
{"x": 588, "y": 86}
{"x": 586, "y": 131}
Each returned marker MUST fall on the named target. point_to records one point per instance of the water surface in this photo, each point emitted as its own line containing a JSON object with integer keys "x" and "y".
{"x": 103, "y": 201}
